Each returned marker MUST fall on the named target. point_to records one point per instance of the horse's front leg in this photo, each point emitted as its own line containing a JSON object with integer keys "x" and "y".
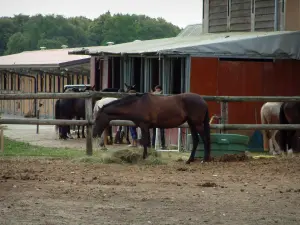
{"x": 127, "y": 135}
{"x": 145, "y": 139}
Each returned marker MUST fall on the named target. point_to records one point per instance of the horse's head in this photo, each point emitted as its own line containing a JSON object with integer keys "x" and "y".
{"x": 129, "y": 87}
{"x": 101, "y": 122}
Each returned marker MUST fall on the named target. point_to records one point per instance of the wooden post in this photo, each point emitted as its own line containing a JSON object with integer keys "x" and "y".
{"x": 89, "y": 118}
{"x": 1, "y": 140}
{"x": 224, "y": 115}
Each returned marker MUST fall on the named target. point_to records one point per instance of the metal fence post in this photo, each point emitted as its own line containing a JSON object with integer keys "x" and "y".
{"x": 89, "y": 118}
{"x": 38, "y": 117}
{"x": 224, "y": 114}
{"x": 1, "y": 140}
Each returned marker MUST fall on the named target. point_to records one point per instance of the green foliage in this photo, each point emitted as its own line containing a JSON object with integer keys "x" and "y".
{"x": 23, "y": 33}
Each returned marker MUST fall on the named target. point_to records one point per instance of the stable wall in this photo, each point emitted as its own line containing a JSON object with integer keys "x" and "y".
{"x": 13, "y": 83}
{"x": 211, "y": 76}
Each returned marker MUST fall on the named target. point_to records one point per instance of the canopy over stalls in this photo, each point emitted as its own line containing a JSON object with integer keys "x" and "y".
{"x": 193, "y": 30}
{"x": 275, "y": 45}
{"x": 54, "y": 60}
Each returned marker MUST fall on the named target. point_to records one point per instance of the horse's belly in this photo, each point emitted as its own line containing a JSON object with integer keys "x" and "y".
{"x": 169, "y": 120}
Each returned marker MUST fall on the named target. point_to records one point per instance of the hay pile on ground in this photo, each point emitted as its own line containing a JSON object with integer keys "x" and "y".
{"x": 135, "y": 155}
{"x": 233, "y": 157}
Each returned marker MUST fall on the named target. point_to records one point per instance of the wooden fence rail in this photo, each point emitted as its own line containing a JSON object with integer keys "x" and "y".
{"x": 89, "y": 96}
{"x": 94, "y": 94}
{"x": 130, "y": 123}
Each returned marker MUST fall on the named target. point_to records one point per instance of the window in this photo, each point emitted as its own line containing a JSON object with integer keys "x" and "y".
{"x": 58, "y": 84}
{"x": 42, "y": 83}
{"x": 203, "y": 3}
{"x": 12, "y": 82}
{"x": 19, "y": 83}
{"x": 282, "y": 6}
{"x": 50, "y": 83}
{"x": 69, "y": 81}
{"x": 5, "y": 82}
{"x": 46, "y": 87}
{"x": 228, "y": 7}
{"x": 252, "y": 6}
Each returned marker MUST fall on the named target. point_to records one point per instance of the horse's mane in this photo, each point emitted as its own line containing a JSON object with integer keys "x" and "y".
{"x": 126, "y": 100}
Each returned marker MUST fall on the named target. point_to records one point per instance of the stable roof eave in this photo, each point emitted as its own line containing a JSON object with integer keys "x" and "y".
{"x": 279, "y": 44}
{"x": 47, "y": 66}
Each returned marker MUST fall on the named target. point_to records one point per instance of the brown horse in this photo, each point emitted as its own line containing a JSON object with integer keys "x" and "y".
{"x": 154, "y": 111}
{"x": 289, "y": 114}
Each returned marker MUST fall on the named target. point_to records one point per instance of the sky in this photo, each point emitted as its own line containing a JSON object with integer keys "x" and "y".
{"x": 178, "y": 12}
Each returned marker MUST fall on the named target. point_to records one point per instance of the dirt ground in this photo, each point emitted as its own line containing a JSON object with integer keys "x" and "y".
{"x": 265, "y": 191}
{"x": 40, "y": 191}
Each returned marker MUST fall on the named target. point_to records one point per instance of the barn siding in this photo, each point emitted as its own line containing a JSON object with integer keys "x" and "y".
{"x": 217, "y": 16}
{"x": 264, "y": 15}
{"x": 46, "y": 83}
{"x": 241, "y": 78}
{"x": 204, "y": 80}
{"x": 250, "y": 15}
{"x": 240, "y": 15}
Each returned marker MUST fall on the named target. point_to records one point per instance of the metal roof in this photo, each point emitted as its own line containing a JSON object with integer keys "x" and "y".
{"x": 193, "y": 30}
{"x": 52, "y": 58}
{"x": 278, "y": 44}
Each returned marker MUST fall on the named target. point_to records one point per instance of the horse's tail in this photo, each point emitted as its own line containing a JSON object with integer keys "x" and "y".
{"x": 206, "y": 133}
{"x": 283, "y": 133}
{"x": 282, "y": 118}
{"x": 56, "y": 114}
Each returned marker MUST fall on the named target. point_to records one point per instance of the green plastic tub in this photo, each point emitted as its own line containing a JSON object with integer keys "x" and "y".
{"x": 222, "y": 144}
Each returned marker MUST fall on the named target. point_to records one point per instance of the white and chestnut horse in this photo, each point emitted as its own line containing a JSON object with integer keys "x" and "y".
{"x": 269, "y": 114}
{"x": 98, "y": 105}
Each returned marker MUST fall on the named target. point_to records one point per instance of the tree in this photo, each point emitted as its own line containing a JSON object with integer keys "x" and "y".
{"x": 7, "y": 28}
{"x": 23, "y": 32}
{"x": 18, "y": 42}
{"x": 96, "y": 29}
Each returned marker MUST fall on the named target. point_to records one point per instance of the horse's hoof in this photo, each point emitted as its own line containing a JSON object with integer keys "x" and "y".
{"x": 103, "y": 148}
{"x": 189, "y": 161}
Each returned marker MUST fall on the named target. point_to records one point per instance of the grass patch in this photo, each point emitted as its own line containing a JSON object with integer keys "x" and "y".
{"x": 17, "y": 148}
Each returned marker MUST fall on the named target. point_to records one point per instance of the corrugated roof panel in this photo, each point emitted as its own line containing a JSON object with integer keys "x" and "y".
{"x": 214, "y": 44}
{"x": 194, "y": 30}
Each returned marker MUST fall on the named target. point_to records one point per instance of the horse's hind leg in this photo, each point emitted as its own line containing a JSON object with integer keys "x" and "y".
{"x": 82, "y": 134}
{"x": 78, "y": 128}
{"x": 195, "y": 138}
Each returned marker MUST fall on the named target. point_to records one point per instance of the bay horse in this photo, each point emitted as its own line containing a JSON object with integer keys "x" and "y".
{"x": 156, "y": 111}
{"x": 68, "y": 109}
{"x": 289, "y": 114}
{"x": 269, "y": 114}
{"x": 108, "y": 131}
